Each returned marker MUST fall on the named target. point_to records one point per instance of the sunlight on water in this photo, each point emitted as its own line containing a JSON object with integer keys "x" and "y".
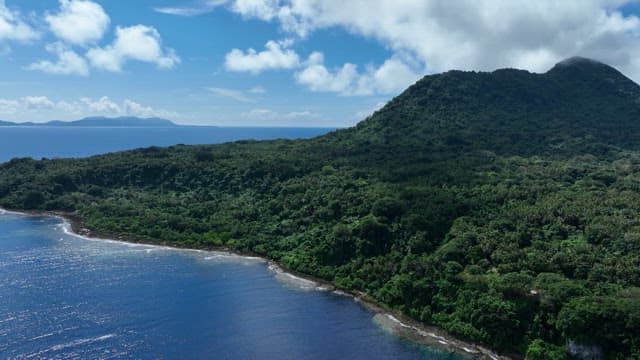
{"x": 65, "y": 296}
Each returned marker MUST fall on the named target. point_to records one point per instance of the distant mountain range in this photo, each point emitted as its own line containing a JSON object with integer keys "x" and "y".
{"x": 124, "y": 121}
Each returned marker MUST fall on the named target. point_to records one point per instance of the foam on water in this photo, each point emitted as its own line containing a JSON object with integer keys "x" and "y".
{"x": 52, "y": 333}
{"x": 393, "y": 325}
{"x": 10, "y": 212}
{"x": 66, "y": 228}
{"x": 295, "y": 281}
{"x": 79, "y": 282}
{"x": 227, "y": 256}
{"x": 71, "y": 344}
{"x": 340, "y": 293}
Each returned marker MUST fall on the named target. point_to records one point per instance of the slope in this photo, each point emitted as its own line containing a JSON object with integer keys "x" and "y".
{"x": 500, "y": 206}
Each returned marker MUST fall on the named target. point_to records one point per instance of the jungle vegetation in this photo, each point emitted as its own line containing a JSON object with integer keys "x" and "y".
{"x": 503, "y": 207}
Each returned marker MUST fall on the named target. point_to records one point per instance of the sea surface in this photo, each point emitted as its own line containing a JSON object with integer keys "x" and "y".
{"x": 55, "y": 142}
{"x": 68, "y": 297}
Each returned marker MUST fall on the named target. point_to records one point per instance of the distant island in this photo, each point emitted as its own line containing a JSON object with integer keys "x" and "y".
{"x": 98, "y": 121}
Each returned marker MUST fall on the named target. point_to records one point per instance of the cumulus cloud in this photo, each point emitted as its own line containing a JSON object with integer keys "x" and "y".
{"x": 140, "y": 43}
{"x": 470, "y": 34}
{"x": 38, "y": 102}
{"x": 12, "y": 27}
{"x": 392, "y": 76}
{"x": 68, "y": 62}
{"x": 108, "y": 107}
{"x": 26, "y": 104}
{"x": 276, "y": 55}
{"x": 261, "y": 9}
{"x": 131, "y": 107}
{"x": 103, "y": 105}
{"x": 44, "y": 107}
{"x": 79, "y": 22}
{"x": 8, "y": 106}
{"x": 318, "y": 78}
{"x": 83, "y": 23}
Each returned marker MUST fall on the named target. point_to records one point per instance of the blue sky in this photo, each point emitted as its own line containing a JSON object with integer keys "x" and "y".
{"x": 280, "y": 62}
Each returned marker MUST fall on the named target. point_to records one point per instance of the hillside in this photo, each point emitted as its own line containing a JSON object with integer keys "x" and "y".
{"x": 124, "y": 121}
{"x": 500, "y": 206}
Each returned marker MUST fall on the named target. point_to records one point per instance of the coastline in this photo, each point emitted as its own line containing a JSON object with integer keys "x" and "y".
{"x": 390, "y": 320}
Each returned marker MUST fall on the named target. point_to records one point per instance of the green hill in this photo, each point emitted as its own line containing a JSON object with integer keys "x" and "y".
{"x": 503, "y": 206}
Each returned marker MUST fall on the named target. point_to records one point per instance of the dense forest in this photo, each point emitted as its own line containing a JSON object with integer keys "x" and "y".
{"x": 503, "y": 207}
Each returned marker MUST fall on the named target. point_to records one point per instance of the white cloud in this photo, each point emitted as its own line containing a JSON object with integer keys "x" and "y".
{"x": 261, "y": 9}
{"x": 68, "y": 62}
{"x": 38, "y": 102}
{"x": 471, "y": 34}
{"x": 139, "y": 42}
{"x": 107, "y": 107}
{"x": 8, "y": 106}
{"x": 46, "y": 108}
{"x": 12, "y": 27}
{"x": 133, "y": 108}
{"x": 202, "y": 7}
{"x": 318, "y": 78}
{"x": 104, "y": 105}
{"x": 229, "y": 93}
{"x": 276, "y": 55}
{"x": 79, "y": 22}
{"x": 392, "y": 76}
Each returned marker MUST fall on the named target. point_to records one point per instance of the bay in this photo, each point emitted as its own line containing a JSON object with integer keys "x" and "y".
{"x": 67, "y": 297}
{"x": 62, "y": 296}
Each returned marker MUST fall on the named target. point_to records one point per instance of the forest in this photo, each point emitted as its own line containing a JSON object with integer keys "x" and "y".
{"x": 503, "y": 207}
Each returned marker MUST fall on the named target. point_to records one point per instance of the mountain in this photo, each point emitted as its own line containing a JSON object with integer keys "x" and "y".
{"x": 126, "y": 121}
{"x": 494, "y": 111}
{"x": 502, "y": 206}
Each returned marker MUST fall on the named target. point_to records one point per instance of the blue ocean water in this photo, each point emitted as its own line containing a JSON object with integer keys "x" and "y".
{"x": 51, "y": 142}
{"x": 62, "y": 296}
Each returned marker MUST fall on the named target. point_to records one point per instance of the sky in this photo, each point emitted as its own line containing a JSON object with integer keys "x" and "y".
{"x": 324, "y": 63}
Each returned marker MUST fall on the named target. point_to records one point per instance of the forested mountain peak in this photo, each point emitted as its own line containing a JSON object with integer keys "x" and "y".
{"x": 578, "y": 103}
{"x": 578, "y": 63}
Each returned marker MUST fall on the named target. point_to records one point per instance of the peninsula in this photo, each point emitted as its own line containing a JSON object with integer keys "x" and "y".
{"x": 500, "y": 206}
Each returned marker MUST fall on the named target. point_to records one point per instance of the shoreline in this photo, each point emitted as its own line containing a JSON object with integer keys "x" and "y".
{"x": 389, "y": 320}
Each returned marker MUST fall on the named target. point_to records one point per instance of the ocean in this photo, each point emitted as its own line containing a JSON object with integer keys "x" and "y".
{"x": 67, "y": 297}
{"x": 62, "y": 142}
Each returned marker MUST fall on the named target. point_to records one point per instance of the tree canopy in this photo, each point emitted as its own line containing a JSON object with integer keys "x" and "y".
{"x": 503, "y": 207}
